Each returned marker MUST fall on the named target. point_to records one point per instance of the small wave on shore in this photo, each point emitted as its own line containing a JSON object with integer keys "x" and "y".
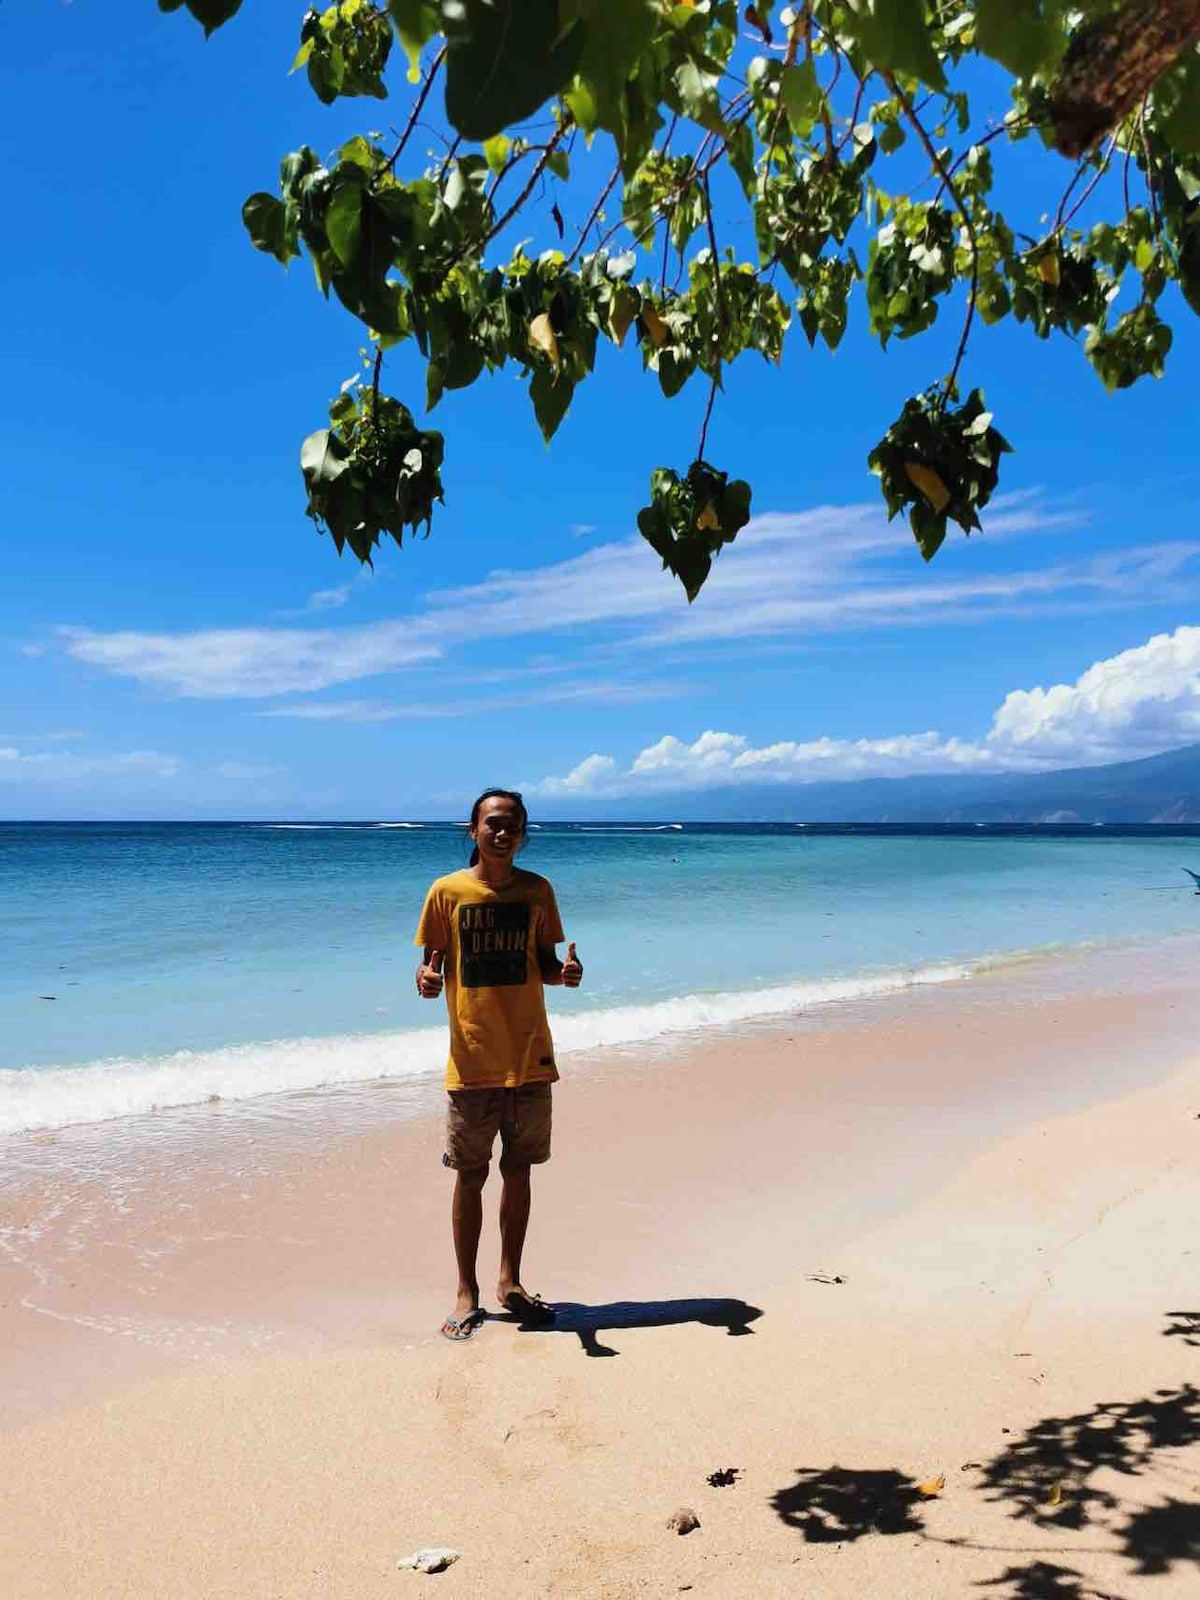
{"x": 99, "y": 1091}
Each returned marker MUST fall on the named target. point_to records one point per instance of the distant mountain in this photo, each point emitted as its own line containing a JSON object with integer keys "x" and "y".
{"x": 1163, "y": 788}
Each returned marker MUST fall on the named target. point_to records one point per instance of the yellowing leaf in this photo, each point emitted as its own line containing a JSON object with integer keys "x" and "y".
{"x": 621, "y": 313}
{"x": 1048, "y": 270}
{"x": 929, "y": 483}
{"x": 932, "y": 1486}
{"x": 1055, "y": 1497}
{"x": 708, "y": 518}
{"x": 654, "y": 326}
{"x": 542, "y": 337}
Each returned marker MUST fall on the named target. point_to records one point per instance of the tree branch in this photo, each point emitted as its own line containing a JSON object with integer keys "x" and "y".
{"x": 499, "y": 227}
{"x": 1060, "y": 220}
{"x": 375, "y": 387}
{"x": 596, "y": 210}
{"x": 708, "y": 411}
{"x": 1112, "y": 63}
{"x": 948, "y": 182}
{"x": 418, "y": 106}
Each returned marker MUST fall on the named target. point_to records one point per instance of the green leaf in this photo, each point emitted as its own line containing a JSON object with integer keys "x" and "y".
{"x": 415, "y": 22}
{"x": 675, "y": 367}
{"x": 615, "y": 35}
{"x": 1020, "y": 35}
{"x": 505, "y": 60}
{"x": 266, "y": 222}
{"x": 211, "y": 14}
{"x": 891, "y": 137}
{"x": 1178, "y": 96}
{"x": 1189, "y": 267}
{"x": 551, "y": 396}
{"x": 801, "y": 96}
{"x": 496, "y": 152}
{"x": 322, "y": 458}
{"x": 698, "y": 95}
{"x": 343, "y": 221}
{"x": 895, "y": 36}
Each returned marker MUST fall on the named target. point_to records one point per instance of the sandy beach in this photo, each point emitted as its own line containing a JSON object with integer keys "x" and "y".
{"x": 901, "y": 1299}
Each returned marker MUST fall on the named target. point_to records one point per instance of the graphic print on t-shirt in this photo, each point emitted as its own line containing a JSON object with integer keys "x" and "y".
{"x": 493, "y": 940}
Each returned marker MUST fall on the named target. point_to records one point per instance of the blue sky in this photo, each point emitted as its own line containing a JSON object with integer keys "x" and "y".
{"x": 181, "y": 642}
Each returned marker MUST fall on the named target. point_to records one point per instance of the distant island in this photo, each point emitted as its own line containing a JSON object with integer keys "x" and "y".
{"x": 1163, "y": 789}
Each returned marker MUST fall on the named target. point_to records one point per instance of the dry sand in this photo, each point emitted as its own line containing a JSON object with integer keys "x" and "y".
{"x": 1001, "y": 1395}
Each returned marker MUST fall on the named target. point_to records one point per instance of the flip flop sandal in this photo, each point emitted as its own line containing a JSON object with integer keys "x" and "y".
{"x": 459, "y": 1329}
{"x": 530, "y": 1308}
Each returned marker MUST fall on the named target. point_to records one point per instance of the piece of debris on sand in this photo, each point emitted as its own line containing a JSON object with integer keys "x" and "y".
{"x": 435, "y": 1558}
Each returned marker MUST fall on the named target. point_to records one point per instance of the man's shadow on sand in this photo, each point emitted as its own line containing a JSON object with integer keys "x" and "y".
{"x": 588, "y": 1322}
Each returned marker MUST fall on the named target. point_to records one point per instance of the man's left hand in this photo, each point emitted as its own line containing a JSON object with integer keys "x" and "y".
{"x": 572, "y": 969}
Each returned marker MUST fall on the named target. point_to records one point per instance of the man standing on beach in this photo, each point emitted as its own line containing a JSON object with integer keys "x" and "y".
{"x": 498, "y": 926}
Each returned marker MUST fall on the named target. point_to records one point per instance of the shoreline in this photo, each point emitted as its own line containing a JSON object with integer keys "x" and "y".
{"x": 844, "y": 1260}
{"x": 46, "y": 1099}
{"x": 303, "y": 1220}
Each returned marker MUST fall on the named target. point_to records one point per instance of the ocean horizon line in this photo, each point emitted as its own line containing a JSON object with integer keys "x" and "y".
{"x": 664, "y": 823}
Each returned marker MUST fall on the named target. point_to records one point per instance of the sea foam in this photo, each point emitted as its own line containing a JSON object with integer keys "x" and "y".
{"x": 58, "y": 1097}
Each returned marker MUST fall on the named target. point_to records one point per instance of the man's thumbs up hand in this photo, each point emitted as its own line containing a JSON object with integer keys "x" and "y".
{"x": 572, "y": 971}
{"x": 429, "y": 976}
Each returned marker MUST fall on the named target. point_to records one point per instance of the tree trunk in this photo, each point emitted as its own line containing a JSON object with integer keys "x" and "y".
{"x": 1113, "y": 62}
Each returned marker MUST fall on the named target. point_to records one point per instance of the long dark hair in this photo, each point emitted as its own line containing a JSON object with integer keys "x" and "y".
{"x": 497, "y": 794}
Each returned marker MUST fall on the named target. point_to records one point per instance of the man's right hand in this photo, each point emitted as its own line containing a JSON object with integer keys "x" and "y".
{"x": 429, "y": 976}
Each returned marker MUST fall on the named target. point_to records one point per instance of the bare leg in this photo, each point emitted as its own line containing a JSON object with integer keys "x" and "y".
{"x": 467, "y": 1219}
{"x": 514, "y": 1220}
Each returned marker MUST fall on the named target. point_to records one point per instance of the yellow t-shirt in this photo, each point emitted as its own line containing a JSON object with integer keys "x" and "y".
{"x": 499, "y": 1035}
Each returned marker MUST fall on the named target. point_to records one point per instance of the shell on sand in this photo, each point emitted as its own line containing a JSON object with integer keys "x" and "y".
{"x": 434, "y": 1558}
{"x": 683, "y": 1520}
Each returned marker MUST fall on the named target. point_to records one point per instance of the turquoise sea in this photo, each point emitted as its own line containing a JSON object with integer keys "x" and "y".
{"x": 161, "y": 964}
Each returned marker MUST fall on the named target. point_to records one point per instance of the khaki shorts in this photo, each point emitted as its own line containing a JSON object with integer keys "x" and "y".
{"x": 475, "y": 1116}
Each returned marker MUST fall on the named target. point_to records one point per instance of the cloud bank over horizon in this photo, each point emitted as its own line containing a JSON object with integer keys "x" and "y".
{"x": 1140, "y": 702}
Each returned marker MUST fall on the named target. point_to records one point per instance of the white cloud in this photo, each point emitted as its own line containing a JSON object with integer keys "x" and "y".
{"x": 595, "y": 775}
{"x": 419, "y": 708}
{"x": 64, "y": 767}
{"x": 834, "y": 567}
{"x": 250, "y": 663}
{"x": 1133, "y": 704}
{"x": 710, "y": 752}
{"x": 1137, "y": 703}
{"x": 324, "y": 599}
{"x": 329, "y": 599}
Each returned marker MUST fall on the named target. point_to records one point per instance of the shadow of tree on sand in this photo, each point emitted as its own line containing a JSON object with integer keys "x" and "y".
{"x": 1044, "y": 1580}
{"x": 1183, "y": 1325}
{"x": 836, "y": 1505}
{"x": 1047, "y": 1476}
{"x": 1162, "y": 1536}
{"x": 588, "y": 1322}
